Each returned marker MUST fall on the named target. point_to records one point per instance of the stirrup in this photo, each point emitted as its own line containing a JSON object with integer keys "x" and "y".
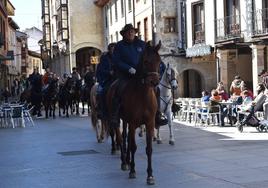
{"x": 161, "y": 120}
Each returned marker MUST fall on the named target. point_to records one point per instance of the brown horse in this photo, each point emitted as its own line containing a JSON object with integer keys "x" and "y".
{"x": 138, "y": 106}
{"x": 99, "y": 125}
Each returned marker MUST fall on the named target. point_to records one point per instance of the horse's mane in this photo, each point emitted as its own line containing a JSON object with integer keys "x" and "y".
{"x": 147, "y": 51}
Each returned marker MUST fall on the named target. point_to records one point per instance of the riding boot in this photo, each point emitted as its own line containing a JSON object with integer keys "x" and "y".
{"x": 160, "y": 118}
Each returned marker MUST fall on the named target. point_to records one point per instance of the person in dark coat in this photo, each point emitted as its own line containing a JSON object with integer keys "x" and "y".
{"x": 36, "y": 83}
{"x": 126, "y": 56}
{"x": 89, "y": 77}
{"x": 127, "y": 52}
{"x": 105, "y": 76}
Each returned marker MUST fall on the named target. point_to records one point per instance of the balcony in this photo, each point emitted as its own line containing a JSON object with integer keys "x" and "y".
{"x": 228, "y": 28}
{"x": 261, "y": 23}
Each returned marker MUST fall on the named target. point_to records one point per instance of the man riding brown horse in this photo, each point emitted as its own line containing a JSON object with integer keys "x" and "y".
{"x": 126, "y": 57}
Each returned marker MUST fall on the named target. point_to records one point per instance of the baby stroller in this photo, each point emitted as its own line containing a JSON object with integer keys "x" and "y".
{"x": 253, "y": 121}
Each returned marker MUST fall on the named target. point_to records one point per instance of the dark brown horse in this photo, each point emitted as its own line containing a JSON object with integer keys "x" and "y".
{"x": 138, "y": 106}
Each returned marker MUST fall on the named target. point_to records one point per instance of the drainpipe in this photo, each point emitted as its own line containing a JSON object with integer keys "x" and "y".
{"x": 218, "y": 68}
{"x": 153, "y": 22}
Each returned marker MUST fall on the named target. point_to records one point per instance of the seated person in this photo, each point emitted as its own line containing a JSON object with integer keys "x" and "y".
{"x": 244, "y": 87}
{"x": 204, "y": 100}
{"x": 235, "y": 88}
{"x": 246, "y": 104}
{"x": 222, "y": 92}
{"x": 205, "y": 96}
{"x": 260, "y": 98}
{"x": 215, "y": 105}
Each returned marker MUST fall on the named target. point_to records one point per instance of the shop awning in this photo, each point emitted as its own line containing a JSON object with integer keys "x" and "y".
{"x": 198, "y": 50}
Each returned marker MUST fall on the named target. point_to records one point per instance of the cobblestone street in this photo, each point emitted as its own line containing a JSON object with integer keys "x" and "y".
{"x": 64, "y": 153}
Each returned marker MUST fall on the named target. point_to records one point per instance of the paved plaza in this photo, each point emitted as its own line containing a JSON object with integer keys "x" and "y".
{"x": 64, "y": 153}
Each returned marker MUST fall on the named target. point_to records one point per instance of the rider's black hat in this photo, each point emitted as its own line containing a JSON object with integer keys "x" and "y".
{"x": 128, "y": 27}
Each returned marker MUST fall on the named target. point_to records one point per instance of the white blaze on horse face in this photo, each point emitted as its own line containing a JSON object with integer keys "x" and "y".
{"x": 174, "y": 84}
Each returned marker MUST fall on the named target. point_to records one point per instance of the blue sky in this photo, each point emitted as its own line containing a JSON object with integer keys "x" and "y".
{"x": 27, "y": 13}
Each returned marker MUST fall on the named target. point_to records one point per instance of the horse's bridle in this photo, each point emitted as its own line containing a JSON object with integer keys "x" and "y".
{"x": 169, "y": 81}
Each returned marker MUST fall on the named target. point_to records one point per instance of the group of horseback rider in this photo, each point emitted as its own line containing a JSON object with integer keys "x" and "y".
{"x": 38, "y": 84}
{"x": 120, "y": 62}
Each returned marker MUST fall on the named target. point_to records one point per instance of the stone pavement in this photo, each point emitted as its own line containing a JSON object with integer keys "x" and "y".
{"x": 64, "y": 153}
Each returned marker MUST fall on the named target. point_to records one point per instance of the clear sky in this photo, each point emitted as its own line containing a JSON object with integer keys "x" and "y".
{"x": 27, "y": 13}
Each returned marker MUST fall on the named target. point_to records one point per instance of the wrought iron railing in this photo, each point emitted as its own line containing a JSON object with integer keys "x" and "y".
{"x": 228, "y": 28}
{"x": 261, "y": 22}
{"x": 199, "y": 33}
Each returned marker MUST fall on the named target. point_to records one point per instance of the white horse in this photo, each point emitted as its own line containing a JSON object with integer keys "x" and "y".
{"x": 167, "y": 86}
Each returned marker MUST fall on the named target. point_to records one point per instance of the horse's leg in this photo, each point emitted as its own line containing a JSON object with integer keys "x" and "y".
{"x": 103, "y": 128}
{"x": 158, "y": 137}
{"x": 54, "y": 109}
{"x": 66, "y": 108}
{"x": 133, "y": 148}
{"x": 83, "y": 107}
{"x": 113, "y": 150}
{"x": 149, "y": 150}
{"x": 77, "y": 107}
{"x": 125, "y": 163}
{"x": 170, "y": 125}
{"x": 50, "y": 108}
{"x": 88, "y": 105}
{"x": 46, "y": 109}
{"x": 98, "y": 129}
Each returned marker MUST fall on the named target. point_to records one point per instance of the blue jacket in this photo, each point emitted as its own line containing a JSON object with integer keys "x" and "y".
{"x": 103, "y": 70}
{"x": 127, "y": 55}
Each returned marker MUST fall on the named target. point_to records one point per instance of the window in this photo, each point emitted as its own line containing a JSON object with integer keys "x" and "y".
{"x": 115, "y": 10}
{"x": 146, "y": 29}
{"x": 122, "y": 8}
{"x": 112, "y": 40}
{"x": 232, "y": 18}
{"x": 170, "y": 25}
{"x": 129, "y": 6}
{"x": 62, "y": 23}
{"x": 139, "y": 28}
{"x": 198, "y": 23}
{"x": 265, "y": 13}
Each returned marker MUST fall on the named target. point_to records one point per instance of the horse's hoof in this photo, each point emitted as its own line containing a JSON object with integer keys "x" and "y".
{"x": 154, "y": 139}
{"x": 150, "y": 180}
{"x": 99, "y": 141}
{"x": 172, "y": 142}
{"x": 124, "y": 167}
{"x": 132, "y": 175}
{"x": 159, "y": 142}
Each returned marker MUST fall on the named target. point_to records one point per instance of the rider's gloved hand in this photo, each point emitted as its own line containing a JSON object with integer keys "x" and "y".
{"x": 132, "y": 70}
